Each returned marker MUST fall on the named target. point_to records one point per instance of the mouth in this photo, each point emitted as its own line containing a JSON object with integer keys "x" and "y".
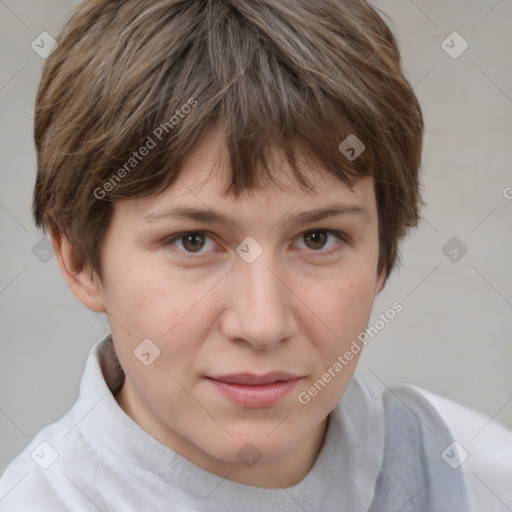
{"x": 255, "y": 391}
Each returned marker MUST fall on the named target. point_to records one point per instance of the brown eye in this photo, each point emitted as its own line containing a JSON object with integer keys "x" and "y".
{"x": 315, "y": 239}
{"x": 193, "y": 242}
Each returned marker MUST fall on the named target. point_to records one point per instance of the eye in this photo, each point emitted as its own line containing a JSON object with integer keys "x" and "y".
{"x": 191, "y": 242}
{"x": 317, "y": 239}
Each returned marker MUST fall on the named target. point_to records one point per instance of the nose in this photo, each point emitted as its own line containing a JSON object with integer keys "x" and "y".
{"x": 260, "y": 304}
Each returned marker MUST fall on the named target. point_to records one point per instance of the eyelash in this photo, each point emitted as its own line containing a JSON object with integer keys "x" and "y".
{"x": 342, "y": 237}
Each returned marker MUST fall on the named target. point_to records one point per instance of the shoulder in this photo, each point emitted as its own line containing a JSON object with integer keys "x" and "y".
{"x": 485, "y": 448}
{"x": 401, "y": 397}
{"x": 42, "y": 476}
{"x": 59, "y": 462}
{"x": 462, "y": 437}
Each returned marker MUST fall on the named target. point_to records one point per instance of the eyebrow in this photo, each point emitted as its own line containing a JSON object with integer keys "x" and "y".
{"x": 209, "y": 216}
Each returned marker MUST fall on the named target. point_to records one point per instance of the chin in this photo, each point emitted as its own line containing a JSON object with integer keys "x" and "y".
{"x": 256, "y": 447}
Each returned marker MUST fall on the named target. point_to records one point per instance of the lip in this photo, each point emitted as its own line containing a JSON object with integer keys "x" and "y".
{"x": 255, "y": 391}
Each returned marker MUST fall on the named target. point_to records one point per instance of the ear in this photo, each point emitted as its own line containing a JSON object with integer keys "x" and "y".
{"x": 84, "y": 283}
{"x": 379, "y": 283}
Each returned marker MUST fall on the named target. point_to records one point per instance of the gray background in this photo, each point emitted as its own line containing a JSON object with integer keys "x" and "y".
{"x": 453, "y": 336}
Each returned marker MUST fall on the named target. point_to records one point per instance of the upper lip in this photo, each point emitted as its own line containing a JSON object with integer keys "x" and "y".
{"x": 250, "y": 379}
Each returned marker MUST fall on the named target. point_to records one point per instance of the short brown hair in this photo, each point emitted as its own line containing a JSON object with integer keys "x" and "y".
{"x": 273, "y": 73}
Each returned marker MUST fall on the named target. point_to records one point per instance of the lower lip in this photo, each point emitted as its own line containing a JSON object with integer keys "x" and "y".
{"x": 264, "y": 395}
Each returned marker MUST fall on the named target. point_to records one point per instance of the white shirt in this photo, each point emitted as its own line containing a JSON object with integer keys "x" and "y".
{"x": 97, "y": 458}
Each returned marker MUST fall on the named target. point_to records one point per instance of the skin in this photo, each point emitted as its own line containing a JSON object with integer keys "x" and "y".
{"x": 295, "y": 308}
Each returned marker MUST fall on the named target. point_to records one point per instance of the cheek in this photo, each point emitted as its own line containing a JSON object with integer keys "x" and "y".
{"x": 345, "y": 307}
{"x": 145, "y": 297}
{"x": 173, "y": 312}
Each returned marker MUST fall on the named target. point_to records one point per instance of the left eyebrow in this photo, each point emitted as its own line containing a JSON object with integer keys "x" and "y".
{"x": 329, "y": 211}
{"x": 210, "y": 216}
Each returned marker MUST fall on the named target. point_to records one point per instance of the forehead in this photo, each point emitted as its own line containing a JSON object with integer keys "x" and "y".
{"x": 206, "y": 175}
{"x": 207, "y": 171}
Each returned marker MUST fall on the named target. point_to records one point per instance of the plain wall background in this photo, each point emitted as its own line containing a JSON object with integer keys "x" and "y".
{"x": 453, "y": 336}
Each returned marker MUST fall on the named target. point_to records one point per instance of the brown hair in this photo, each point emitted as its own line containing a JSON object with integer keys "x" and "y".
{"x": 128, "y": 75}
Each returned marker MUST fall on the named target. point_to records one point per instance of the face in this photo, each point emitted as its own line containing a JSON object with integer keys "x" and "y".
{"x": 243, "y": 315}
